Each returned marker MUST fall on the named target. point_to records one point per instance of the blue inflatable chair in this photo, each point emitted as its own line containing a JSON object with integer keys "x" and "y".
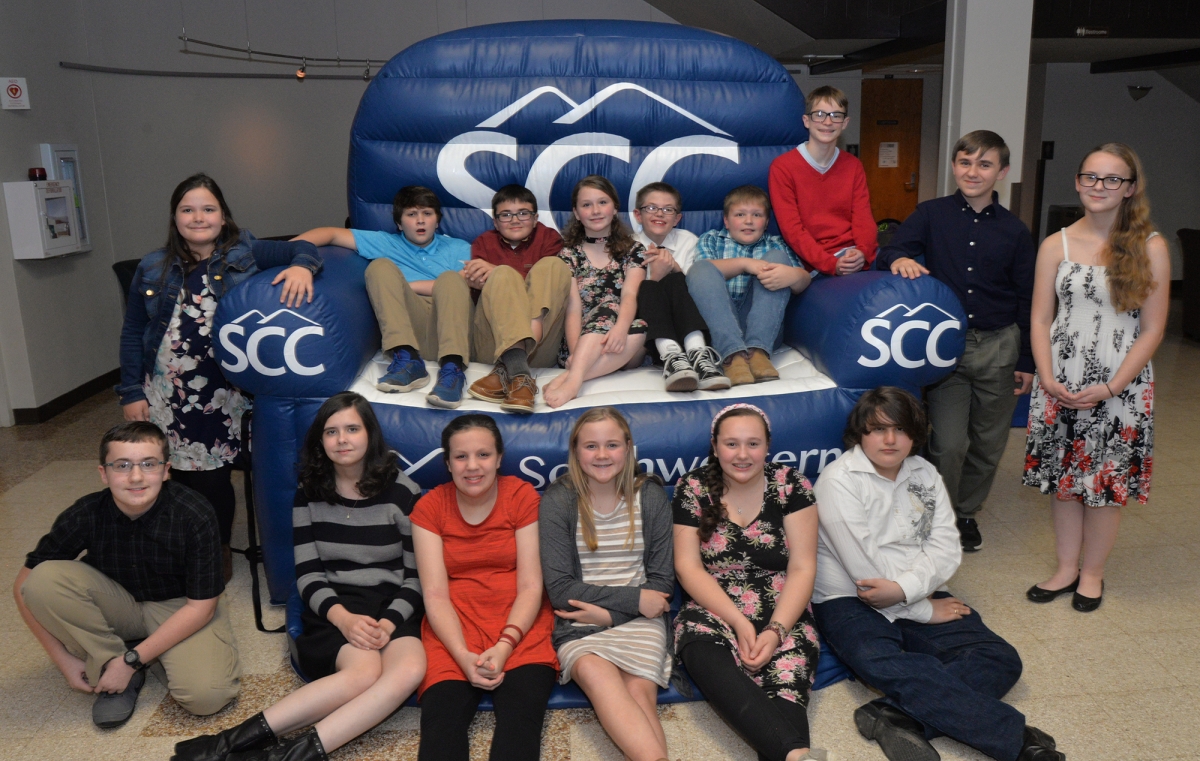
{"x": 544, "y": 104}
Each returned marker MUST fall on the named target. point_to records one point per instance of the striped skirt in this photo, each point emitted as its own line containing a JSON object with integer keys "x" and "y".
{"x": 639, "y": 648}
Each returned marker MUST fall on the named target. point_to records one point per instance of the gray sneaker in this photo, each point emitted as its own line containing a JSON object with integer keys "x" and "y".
{"x": 678, "y": 374}
{"x": 112, "y": 709}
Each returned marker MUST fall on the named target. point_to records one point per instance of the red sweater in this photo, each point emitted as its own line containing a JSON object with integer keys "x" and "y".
{"x": 820, "y": 214}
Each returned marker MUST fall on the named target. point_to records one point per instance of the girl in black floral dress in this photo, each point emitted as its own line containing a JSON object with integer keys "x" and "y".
{"x": 602, "y": 333}
{"x": 745, "y": 555}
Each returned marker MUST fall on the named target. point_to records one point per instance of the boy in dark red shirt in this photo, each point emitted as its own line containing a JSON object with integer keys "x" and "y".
{"x": 521, "y": 289}
{"x": 820, "y": 195}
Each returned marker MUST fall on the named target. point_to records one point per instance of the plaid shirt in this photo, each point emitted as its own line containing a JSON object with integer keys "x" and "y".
{"x": 172, "y": 550}
{"x": 716, "y": 244}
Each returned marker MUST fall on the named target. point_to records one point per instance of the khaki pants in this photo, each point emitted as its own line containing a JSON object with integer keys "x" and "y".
{"x": 437, "y": 325}
{"x": 970, "y": 413}
{"x": 92, "y": 616}
{"x": 508, "y": 303}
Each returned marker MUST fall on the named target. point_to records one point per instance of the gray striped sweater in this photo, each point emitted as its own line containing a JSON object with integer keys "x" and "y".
{"x": 360, "y": 543}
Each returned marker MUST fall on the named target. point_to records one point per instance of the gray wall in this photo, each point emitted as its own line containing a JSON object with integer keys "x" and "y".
{"x": 1083, "y": 110}
{"x": 277, "y": 147}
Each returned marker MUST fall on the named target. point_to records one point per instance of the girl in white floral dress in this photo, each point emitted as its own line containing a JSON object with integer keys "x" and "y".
{"x": 1091, "y": 418}
{"x": 169, "y": 374}
{"x": 745, "y": 555}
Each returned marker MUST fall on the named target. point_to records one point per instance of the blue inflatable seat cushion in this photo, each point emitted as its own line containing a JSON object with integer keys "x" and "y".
{"x": 829, "y": 669}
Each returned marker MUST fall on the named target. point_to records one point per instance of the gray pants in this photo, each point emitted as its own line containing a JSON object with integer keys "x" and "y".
{"x": 970, "y": 413}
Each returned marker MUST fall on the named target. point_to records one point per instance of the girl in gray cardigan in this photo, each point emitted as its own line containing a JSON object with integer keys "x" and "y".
{"x": 607, "y": 565}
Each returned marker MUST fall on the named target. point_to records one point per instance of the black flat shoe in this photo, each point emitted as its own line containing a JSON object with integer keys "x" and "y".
{"x": 1038, "y": 594}
{"x": 1087, "y": 604}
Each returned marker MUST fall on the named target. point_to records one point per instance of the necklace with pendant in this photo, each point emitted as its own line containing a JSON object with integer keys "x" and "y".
{"x": 595, "y": 240}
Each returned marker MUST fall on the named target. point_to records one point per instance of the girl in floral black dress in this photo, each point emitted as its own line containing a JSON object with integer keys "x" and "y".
{"x": 745, "y": 555}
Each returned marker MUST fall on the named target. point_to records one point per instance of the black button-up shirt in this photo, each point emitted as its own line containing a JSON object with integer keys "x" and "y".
{"x": 172, "y": 550}
{"x": 987, "y": 258}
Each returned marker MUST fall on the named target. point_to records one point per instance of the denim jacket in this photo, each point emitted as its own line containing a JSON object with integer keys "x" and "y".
{"x": 152, "y": 297}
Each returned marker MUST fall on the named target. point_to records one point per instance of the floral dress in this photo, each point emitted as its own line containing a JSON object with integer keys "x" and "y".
{"x": 600, "y": 292}
{"x": 1102, "y": 456}
{"x": 750, "y": 564}
{"x": 189, "y": 397}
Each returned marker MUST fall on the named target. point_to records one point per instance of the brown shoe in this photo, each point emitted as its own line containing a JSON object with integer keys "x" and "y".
{"x": 761, "y": 367}
{"x": 492, "y": 387}
{"x": 737, "y": 370}
{"x": 522, "y": 390}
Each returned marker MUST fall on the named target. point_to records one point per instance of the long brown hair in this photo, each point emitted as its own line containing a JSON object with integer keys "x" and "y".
{"x": 1130, "y": 280}
{"x": 629, "y": 481}
{"x": 621, "y": 242}
{"x": 380, "y": 464}
{"x": 177, "y": 248}
{"x": 712, "y": 513}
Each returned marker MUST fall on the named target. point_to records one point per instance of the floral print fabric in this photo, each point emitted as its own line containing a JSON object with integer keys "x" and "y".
{"x": 600, "y": 292}
{"x": 189, "y": 397}
{"x": 1102, "y": 456}
{"x": 750, "y": 564}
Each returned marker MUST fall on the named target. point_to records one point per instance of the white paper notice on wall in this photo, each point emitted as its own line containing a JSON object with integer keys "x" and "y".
{"x": 889, "y": 154}
{"x": 15, "y": 95}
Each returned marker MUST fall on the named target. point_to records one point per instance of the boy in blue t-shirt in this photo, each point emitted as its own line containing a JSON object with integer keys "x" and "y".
{"x": 421, "y": 300}
{"x": 745, "y": 314}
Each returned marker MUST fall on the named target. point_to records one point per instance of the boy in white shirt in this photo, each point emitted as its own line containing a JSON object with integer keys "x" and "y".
{"x": 886, "y": 546}
{"x": 675, "y": 332}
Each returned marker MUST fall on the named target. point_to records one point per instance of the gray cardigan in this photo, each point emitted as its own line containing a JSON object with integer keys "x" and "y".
{"x": 562, "y": 572}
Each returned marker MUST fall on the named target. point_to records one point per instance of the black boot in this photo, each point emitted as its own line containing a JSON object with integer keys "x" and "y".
{"x": 305, "y": 747}
{"x": 251, "y": 734}
{"x": 1039, "y": 746}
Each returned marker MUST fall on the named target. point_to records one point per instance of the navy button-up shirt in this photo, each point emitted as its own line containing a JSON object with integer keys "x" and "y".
{"x": 987, "y": 258}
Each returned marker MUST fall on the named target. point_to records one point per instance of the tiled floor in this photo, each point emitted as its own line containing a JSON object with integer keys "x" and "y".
{"x": 1120, "y": 683}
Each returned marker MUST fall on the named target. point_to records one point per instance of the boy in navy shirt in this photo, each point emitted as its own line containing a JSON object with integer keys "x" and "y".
{"x": 986, "y": 256}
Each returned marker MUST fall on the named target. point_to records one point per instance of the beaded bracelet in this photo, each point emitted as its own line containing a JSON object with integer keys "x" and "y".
{"x": 779, "y": 630}
{"x": 506, "y": 637}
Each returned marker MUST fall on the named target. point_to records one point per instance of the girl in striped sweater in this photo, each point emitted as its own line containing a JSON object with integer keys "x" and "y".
{"x": 357, "y": 575}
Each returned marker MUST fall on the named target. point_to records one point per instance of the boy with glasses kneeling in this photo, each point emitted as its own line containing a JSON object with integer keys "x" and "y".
{"x": 152, "y": 574}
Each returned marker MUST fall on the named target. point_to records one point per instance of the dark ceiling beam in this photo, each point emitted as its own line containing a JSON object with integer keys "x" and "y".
{"x": 920, "y": 28}
{"x": 1144, "y": 62}
{"x": 1124, "y": 19}
{"x": 846, "y": 19}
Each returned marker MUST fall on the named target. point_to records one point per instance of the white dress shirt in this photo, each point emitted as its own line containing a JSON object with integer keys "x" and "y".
{"x": 681, "y": 243}
{"x": 875, "y": 528}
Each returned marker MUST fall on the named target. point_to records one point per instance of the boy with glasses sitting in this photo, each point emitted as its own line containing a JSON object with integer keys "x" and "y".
{"x": 820, "y": 193}
{"x": 675, "y": 331}
{"x": 151, "y": 575}
{"x": 521, "y": 289}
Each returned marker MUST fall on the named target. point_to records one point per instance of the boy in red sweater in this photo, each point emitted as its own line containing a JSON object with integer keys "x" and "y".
{"x": 820, "y": 193}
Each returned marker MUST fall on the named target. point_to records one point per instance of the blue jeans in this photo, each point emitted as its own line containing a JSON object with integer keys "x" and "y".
{"x": 754, "y": 321}
{"x": 950, "y": 677}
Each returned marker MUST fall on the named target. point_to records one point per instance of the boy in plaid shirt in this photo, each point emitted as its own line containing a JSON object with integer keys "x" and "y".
{"x": 741, "y": 281}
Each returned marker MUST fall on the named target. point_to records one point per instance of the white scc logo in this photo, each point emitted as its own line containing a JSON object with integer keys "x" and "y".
{"x": 250, "y": 358}
{"x": 895, "y": 348}
{"x": 451, "y": 161}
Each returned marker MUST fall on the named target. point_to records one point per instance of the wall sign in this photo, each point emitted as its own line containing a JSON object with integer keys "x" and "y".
{"x": 889, "y": 154}
{"x": 15, "y": 95}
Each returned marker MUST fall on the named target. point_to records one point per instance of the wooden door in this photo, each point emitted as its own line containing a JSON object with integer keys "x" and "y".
{"x": 890, "y": 144}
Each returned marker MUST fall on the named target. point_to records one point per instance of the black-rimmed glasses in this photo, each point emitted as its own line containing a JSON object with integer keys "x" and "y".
{"x": 819, "y": 116}
{"x": 651, "y": 209}
{"x": 126, "y": 466}
{"x": 1110, "y": 183}
{"x": 507, "y": 216}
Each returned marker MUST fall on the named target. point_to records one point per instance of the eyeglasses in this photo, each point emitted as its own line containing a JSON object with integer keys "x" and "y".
{"x": 819, "y": 116}
{"x": 651, "y": 209}
{"x": 1110, "y": 183}
{"x": 507, "y": 216}
{"x": 146, "y": 466}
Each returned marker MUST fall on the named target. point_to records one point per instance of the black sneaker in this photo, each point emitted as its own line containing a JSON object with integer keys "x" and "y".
{"x": 707, "y": 366}
{"x": 678, "y": 374}
{"x": 968, "y": 532}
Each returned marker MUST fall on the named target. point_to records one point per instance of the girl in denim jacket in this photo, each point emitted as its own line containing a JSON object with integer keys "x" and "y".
{"x": 169, "y": 374}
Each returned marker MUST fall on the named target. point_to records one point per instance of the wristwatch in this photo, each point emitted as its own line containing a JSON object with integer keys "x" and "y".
{"x": 133, "y": 660}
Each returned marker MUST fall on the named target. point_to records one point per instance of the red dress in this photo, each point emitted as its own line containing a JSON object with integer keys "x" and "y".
{"x": 481, "y": 564}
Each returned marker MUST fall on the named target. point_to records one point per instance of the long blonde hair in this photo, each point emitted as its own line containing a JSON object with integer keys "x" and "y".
{"x": 628, "y": 480}
{"x": 1130, "y": 280}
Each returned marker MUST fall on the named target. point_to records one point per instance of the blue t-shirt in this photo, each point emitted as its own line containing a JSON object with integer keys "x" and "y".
{"x": 442, "y": 254}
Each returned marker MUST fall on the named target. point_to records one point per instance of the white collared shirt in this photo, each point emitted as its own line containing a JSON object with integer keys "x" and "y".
{"x": 681, "y": 243}
{"x": 821, "y": 168}
{"x": 872, "y": 527}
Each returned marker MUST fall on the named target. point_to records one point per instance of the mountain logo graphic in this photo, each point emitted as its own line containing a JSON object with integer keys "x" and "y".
{"x": 452, "y": 159}
{"x": 249, "y": 357}
{"x": 893, "y": 349}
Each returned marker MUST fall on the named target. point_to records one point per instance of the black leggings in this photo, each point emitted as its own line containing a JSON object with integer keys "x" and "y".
{"x": 773, "y": 726}
{"x": 216, "y": 487}
{"x": 448, "y": 707}
{"x": 668, "y": 310}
